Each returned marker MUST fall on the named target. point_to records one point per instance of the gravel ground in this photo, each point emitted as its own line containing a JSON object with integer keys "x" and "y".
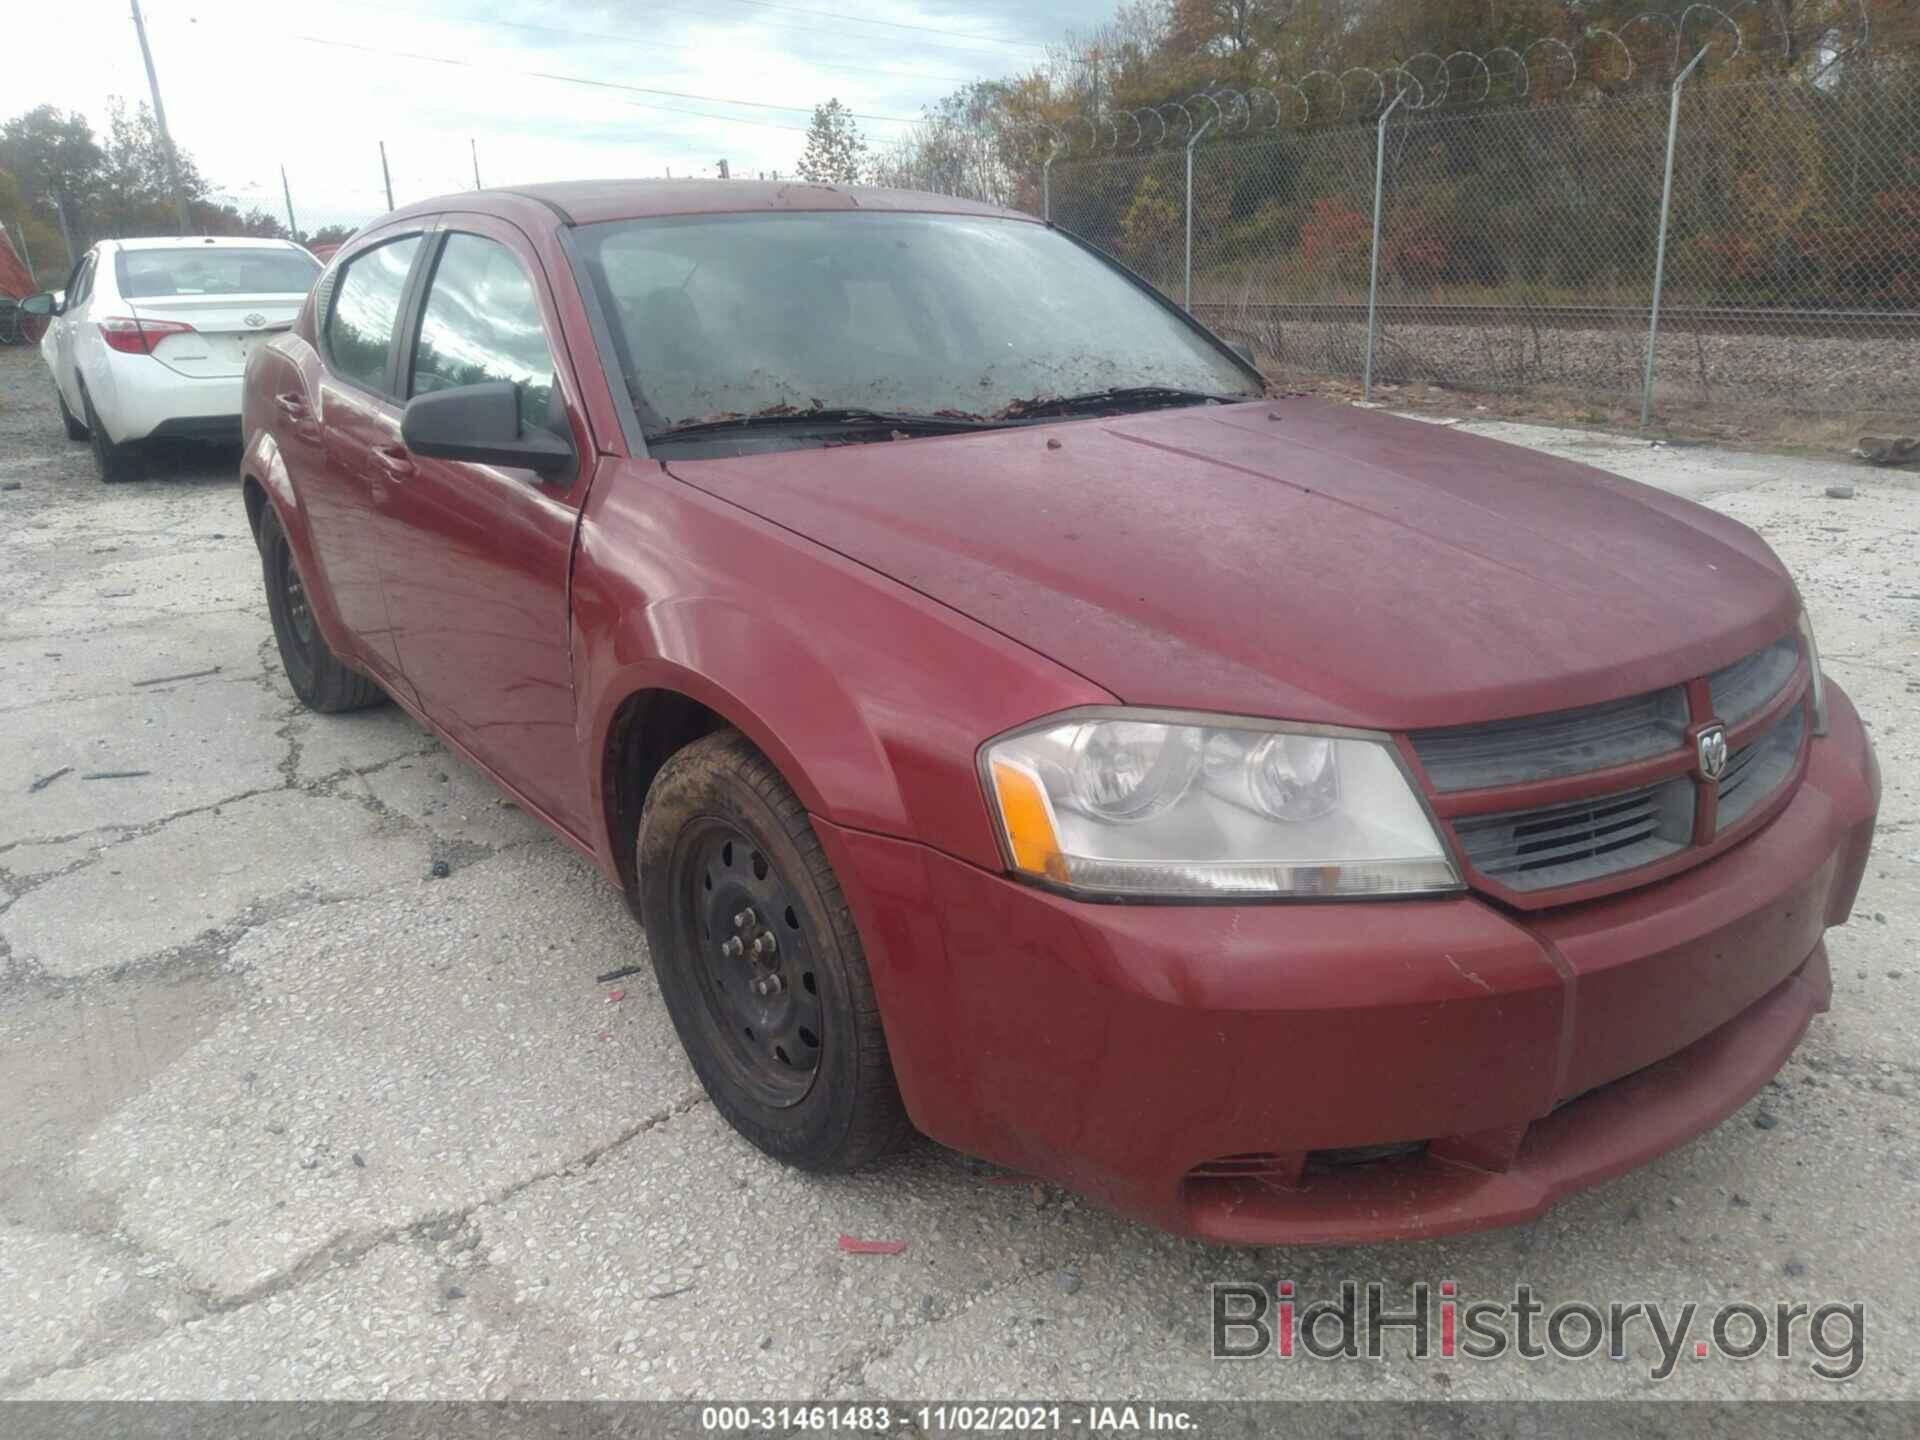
{"x": 282, "y": 1114}
{"x": 1871, "y": 382}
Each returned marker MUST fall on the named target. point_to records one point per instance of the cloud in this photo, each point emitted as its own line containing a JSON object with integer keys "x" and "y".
{"x": 317, "y": 86}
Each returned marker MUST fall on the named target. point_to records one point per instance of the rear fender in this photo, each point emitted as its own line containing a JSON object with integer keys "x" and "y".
{"x": 264, "y": 471}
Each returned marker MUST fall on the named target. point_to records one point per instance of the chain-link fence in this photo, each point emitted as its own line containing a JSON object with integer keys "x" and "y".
{"x": 1517, "y": 251}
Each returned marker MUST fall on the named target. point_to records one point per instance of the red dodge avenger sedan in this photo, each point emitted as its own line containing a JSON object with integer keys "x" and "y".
{"x": 1277, "y": 821}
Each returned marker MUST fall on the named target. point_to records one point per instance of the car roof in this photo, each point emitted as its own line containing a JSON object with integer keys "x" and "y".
{"x": 189, "y": 242}
{"x": 587, "y": 202}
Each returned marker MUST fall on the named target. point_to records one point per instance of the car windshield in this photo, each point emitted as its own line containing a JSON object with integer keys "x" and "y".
{"x": 215, "y": 270}
{"x": 931, "y": 315}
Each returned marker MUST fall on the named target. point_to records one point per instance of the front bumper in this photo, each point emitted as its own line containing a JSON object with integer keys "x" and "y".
{"x": 1126, "y": 1051}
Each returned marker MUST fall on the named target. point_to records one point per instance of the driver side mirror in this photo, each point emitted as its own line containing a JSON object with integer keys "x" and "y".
{"x": 481, "y": 424}
{"x": 45, "y": 303}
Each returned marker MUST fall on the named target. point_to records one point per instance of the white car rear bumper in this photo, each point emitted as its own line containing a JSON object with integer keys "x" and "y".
{"x": 137, "y": 397}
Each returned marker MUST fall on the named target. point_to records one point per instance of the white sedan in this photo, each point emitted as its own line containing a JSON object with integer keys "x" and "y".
{"x": 150, "y": 339}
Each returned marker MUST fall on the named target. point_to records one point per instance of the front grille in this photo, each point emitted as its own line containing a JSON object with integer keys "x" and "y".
{"x": 1755, "y": 772}
{"x": 1743, "y": 689}
{"x": 1525, "y": 851}
{"x": 1571, "y": 844}
{"x": 1549, "y": 747}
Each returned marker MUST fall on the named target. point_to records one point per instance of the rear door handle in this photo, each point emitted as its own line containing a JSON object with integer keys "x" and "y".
{"x": 294, "y": 407}
{"x": 394, "y": 459}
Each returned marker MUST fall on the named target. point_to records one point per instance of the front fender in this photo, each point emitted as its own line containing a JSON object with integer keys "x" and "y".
{"x": 871, "y": 699}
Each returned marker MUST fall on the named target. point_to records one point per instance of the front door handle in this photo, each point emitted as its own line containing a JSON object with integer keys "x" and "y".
{"x": 395, "y": 460}
{"x": 294, "y": 407}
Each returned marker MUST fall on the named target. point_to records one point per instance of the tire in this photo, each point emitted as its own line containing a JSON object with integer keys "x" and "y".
{"x": 75, "y": 429}
{"x": 803, "y": 1073}
{"x": 316, "y": 674}
{"x": 116, "y": 463}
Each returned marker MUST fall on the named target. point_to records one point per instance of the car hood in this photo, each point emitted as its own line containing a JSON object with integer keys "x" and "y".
{"x": 1292, "y": 558}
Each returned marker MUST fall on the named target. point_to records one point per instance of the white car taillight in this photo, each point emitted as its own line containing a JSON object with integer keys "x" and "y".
{"x": 139, "y": 337}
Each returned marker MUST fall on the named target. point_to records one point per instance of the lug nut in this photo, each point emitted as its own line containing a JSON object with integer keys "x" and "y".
{"x": 744, "y": 920}
{"x": 768, "y": 985}
{"x": 733, "y": 946}
{"x": 764, "y": 943}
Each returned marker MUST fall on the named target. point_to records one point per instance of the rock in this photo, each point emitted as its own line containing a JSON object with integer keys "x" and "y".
{"x": 1796, "y": 1268}
{"x": 1839, "y": 492}
{"x": 1066, "y": 1282}
{"x": 1765, "y": 1120}
{"x": 454, "y": 1292}
{"x": 440, "y": 870}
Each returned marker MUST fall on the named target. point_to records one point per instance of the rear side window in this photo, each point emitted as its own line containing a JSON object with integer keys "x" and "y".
{"x": 482, "y": 322}
{"x": 215, "y": 270}
{"x": 366, "y": 311}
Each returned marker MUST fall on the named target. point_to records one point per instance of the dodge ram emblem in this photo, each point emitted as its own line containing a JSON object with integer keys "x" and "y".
{"x": 1712, "y": 749}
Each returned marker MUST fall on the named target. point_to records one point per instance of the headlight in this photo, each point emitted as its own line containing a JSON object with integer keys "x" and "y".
{"x": 1142, "y": 803}
{"x": 1818, "y": 686}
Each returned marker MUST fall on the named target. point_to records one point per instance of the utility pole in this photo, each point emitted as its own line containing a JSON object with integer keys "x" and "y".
{"x": 160, "y": 119}
{"x": 293, "y": 225}
{"x": 386, "y": 174}
{"x": 66, "y": 230}
{"x": 474, "y": 146}
{"x": 723, "y": 169}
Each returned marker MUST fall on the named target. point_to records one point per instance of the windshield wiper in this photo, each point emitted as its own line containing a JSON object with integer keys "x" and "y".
{"x": 829, "y": 418}
{"x": 1126, "y": 397}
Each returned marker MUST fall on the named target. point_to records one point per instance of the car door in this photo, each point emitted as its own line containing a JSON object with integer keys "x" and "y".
{"x": 61, "y": 333}
{"x": 476, "y": 557}
{"x": 340, "y": 440}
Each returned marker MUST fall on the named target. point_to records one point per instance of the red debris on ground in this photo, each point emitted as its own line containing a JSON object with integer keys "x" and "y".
{"x": 871, "y": 1247}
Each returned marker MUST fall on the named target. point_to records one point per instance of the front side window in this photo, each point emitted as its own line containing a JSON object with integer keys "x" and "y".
{"x": 931, "y": 315}
{"x": 366, "y": 311}
{"x": 82, "y": 284}
{"x": 214, "y": 270}
{"x": 482, "y": 322}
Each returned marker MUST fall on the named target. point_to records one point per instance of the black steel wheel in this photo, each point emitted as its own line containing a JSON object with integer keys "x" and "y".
{"x": 738, "y": 915}
{"x": 316, "y": 674}
{"x": 759, "y": 962}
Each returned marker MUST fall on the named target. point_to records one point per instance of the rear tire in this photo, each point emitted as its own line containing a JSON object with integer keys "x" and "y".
{"x": 75, "y": 429}
{"x": 316, "y": 674}
{"x": 802, "y": 1072}
{"x": 116, "y": 463}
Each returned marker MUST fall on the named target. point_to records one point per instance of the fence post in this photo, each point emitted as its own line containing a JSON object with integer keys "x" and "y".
{"x": 1660, "y": 248}
{"x": 1187, "y": 298}
{"x": 1373, "y": 278}
{"x": 1046, "y": 184}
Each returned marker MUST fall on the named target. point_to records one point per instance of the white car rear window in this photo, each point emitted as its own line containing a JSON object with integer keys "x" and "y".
{"x": 146, "y": 274}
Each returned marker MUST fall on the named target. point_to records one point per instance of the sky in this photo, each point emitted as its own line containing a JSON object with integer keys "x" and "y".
{"x": 251, "y": 85}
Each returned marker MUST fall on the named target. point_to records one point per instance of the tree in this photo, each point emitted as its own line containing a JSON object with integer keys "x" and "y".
{"x": 836, "y": 152}
{"x": 52, "y": 154}
{"x": 136, "y": 193}
{"x": 331, "y": 234}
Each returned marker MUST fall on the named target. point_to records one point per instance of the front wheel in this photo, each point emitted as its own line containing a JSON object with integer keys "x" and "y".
{"x": 759, "y": 962}
{"x": 75, "y": 429}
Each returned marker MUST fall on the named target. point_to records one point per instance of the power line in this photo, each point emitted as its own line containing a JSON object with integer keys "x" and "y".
{"x": 592, "y": 84}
